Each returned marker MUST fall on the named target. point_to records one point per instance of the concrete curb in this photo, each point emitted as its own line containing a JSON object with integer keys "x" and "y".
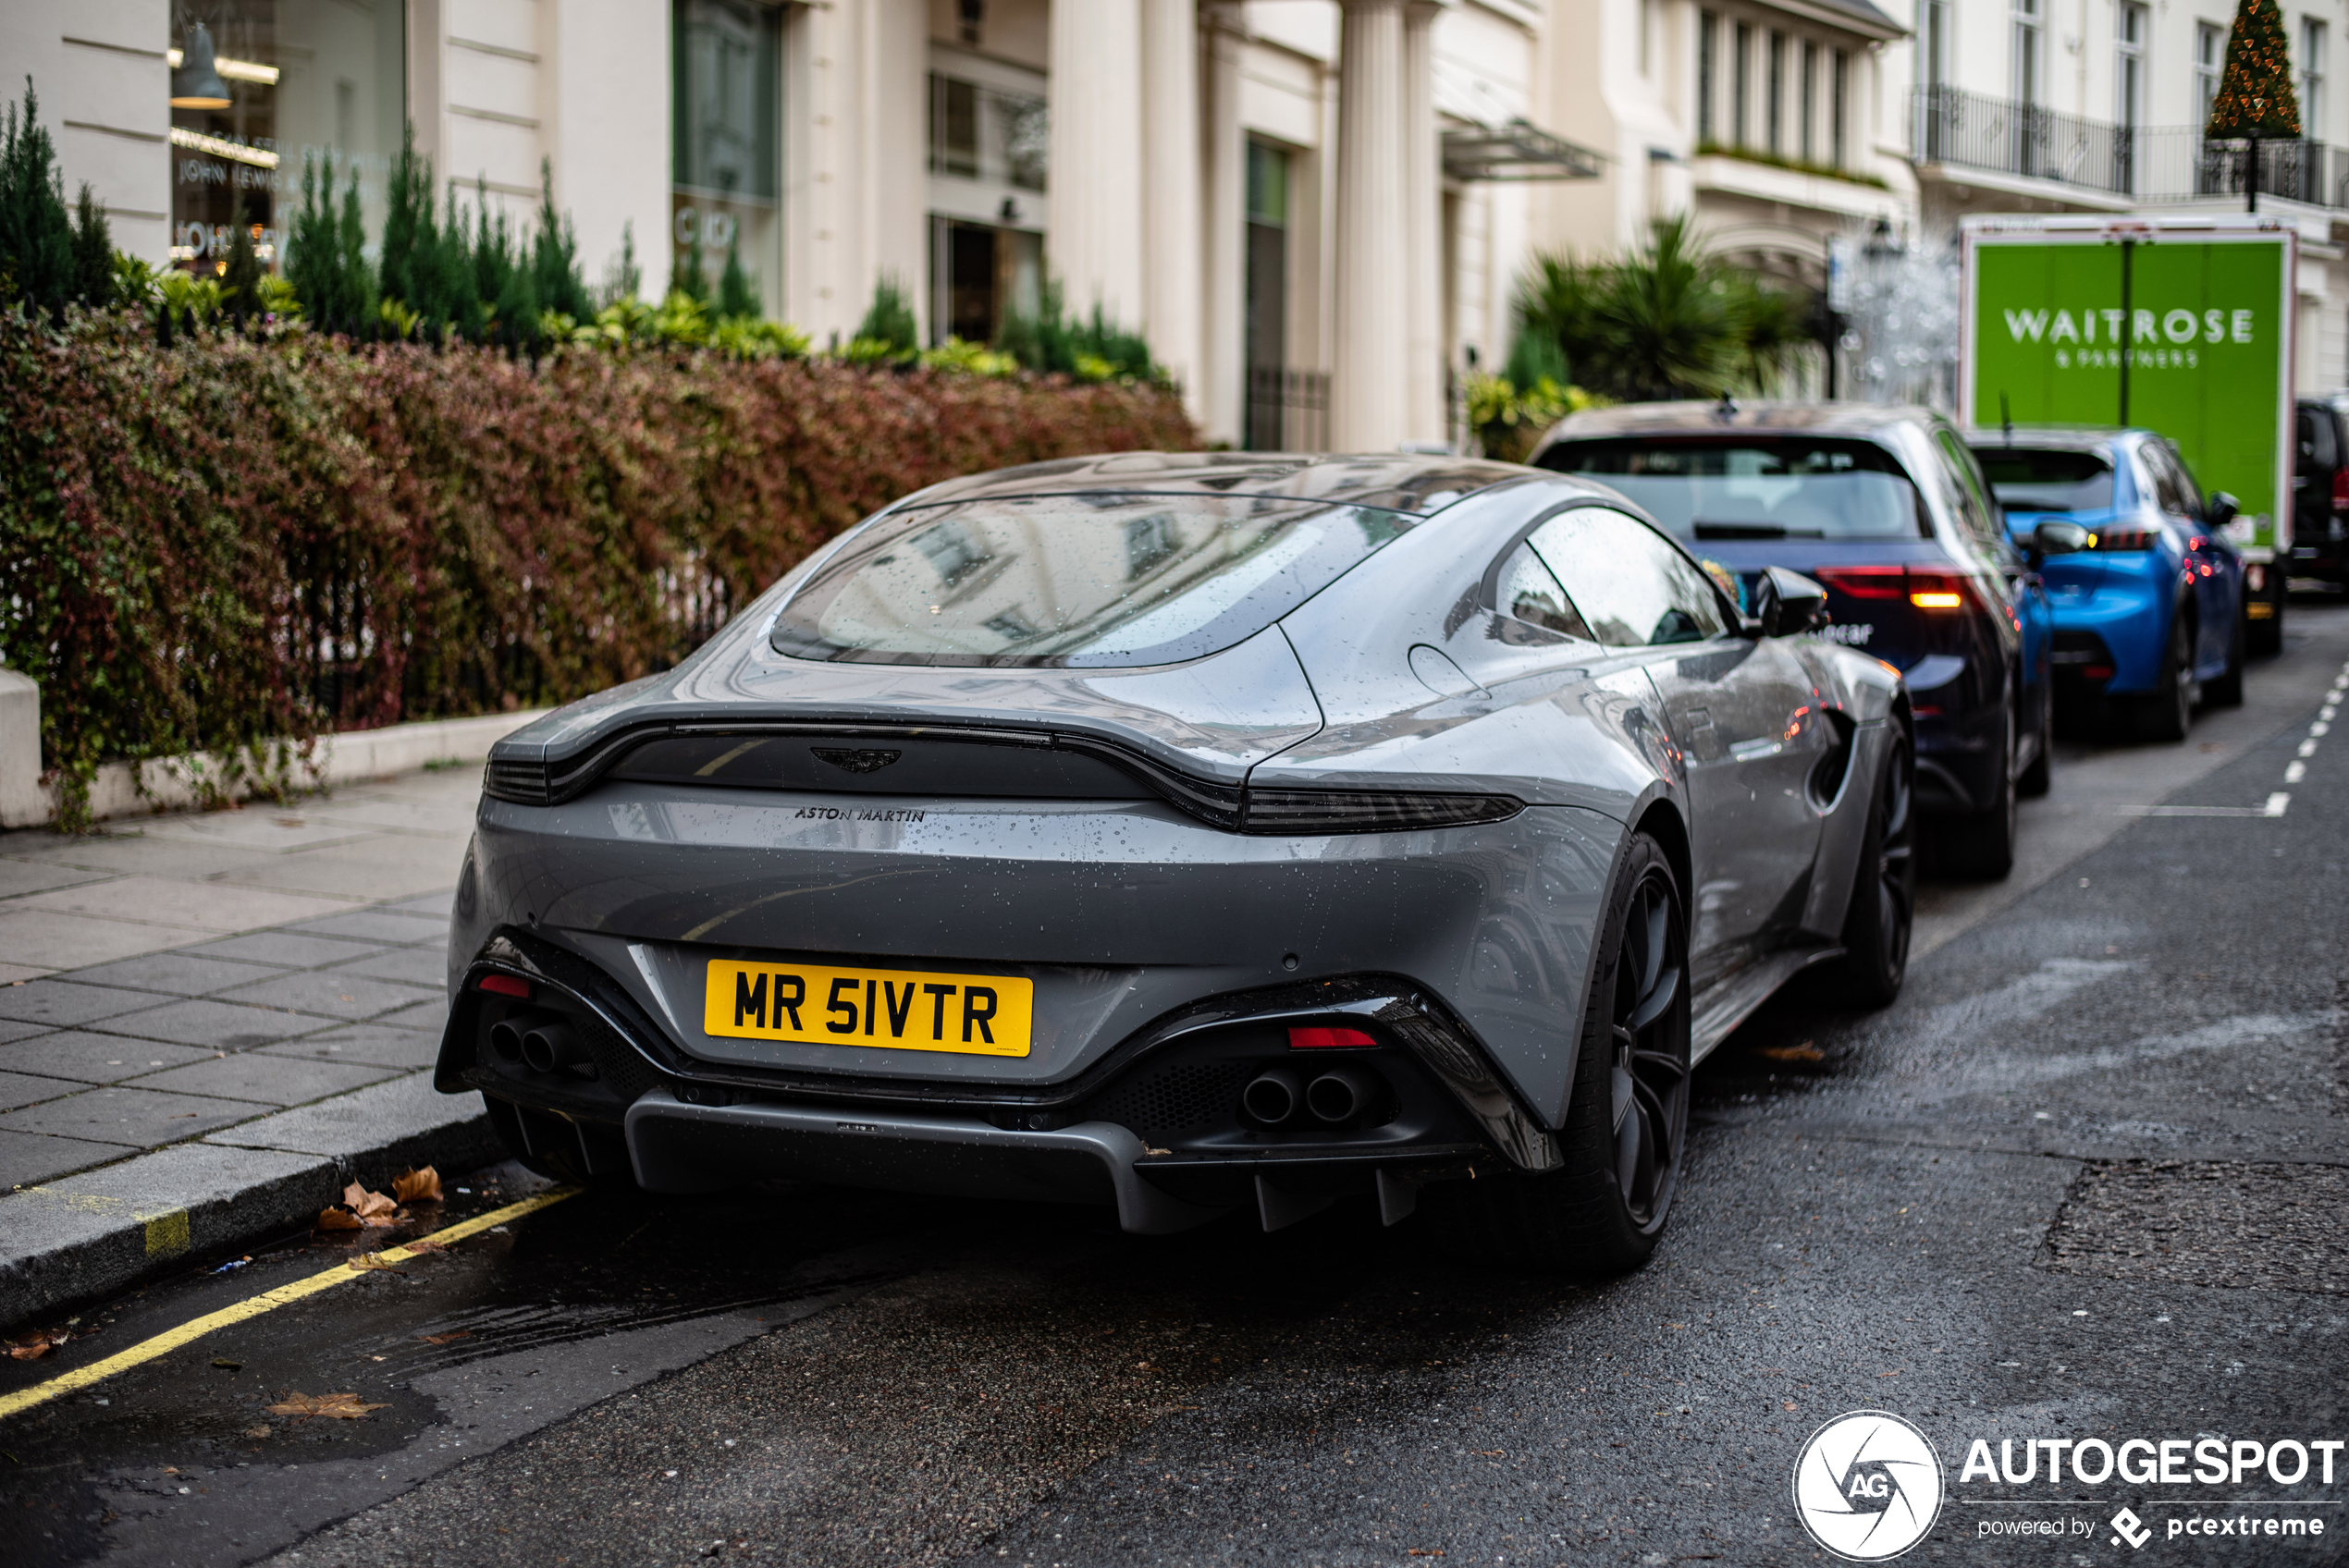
{"x": 89, "y": 1235}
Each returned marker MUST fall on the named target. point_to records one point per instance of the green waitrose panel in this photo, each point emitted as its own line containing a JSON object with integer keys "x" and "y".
{"x": 2205, "y": 345}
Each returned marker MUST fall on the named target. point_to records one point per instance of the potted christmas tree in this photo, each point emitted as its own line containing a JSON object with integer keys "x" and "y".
{"x": 2256, "y": 101}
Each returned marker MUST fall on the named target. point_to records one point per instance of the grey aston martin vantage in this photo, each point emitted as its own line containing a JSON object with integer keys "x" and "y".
{"x": 1185, "y": 834}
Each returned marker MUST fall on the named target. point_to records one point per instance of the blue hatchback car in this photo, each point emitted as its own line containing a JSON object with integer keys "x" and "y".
{"x": 2149, "y": 617}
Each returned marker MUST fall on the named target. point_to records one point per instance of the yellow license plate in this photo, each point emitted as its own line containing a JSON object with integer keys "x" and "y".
{"x": 899, "y": 1009}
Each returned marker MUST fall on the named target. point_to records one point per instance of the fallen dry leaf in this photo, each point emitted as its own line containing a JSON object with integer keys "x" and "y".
{"x": 257, "y": 1431}
{"x": 371, "y": 1260}
{"x": 417, "y": 1186}
{"x": 425, "y": 1244}
{"x": 1806, "y": 1051}
{"x": 338, "y": 1219}
{"x": 346, "y": 1407}
{"x": 453, "y": 1334}
{"x": 34, "y": 1346}
{"x": 368, "y": 1206}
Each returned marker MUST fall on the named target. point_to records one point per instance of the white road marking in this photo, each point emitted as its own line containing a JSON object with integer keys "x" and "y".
{"x": 2295, "y": 773}
{"x": 2307, "y": 748}
{"x": 2277, "y": 802}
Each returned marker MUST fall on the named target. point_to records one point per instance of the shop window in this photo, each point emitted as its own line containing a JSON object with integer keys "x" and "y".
{"x": 258, "y": 89}
{"x": 726, "y": 141}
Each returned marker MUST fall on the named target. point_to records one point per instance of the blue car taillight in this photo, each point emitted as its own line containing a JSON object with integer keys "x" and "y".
{"x": 2124, "y": 537}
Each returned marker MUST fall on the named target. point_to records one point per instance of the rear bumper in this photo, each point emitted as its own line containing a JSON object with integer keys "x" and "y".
{"x": 2127, "y": 613}
{"x": 677, "y": 1147}
{"x": 1155, "y": 1132}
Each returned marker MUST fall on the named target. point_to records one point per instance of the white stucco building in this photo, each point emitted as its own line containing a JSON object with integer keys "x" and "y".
{"x": 1315, "y": 208}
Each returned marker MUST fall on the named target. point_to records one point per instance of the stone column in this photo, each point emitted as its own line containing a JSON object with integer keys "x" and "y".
{"x": 1095, "y": 243}
{"x": 1423, "y": 224}
{"x": 1223, "y": 395}
{"x": 1177, "y": 251}
{"x": 1370, "y": 403}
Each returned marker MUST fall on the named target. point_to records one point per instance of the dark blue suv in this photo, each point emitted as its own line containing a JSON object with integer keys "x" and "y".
{"x": 1887, "y": 508}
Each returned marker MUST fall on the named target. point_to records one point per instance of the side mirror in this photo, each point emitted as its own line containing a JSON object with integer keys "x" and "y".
{"x": 2219, "y": 510}
{"x": 1787, "y": 602}
{"x": 2056, "y": 537}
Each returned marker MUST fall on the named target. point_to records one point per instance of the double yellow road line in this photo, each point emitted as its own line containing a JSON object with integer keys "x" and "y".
{"x": 268, "y": 1301}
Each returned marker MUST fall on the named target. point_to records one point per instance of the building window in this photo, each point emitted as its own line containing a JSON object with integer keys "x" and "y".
{"x": 1647, "y": 37}
{"x": 1267, "y": 305}
{"x": 725, "y": 162}
{"x": 1933, "y": 51}
{"x": 1742, "y": 87}
{"x": 2209, "y": 56}
{"x": 2312, "y": 79}
{"x": 1839, "y": 115}
{"x": 1708, "y": 46}
{"x": 1809, "y": 103}
{"x": 2129, "y": 66}
{"x": 1774, "y": 131}
{"x": 986, "y": 133}
{"x": 261, "y": 90}
{"x": 2028, "y": 42}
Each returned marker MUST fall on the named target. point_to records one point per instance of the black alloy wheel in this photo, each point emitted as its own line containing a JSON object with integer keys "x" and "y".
{"x": 2168, "y": 714}
{"x": 1981, "y": 847}
{"x": 1648, "y": 1083}
{"x": 1884, "y": 889}
{"x": 1626, "y": 1134}
{"x": 2039, "y": 777}
{"x": 2225, "y": 689}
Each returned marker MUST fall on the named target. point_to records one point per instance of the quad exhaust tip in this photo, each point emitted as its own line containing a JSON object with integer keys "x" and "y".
{"x": 550, "y": 1048}
{"x": 1272, "y": 1096}
{"x": 1277, "y": 1096}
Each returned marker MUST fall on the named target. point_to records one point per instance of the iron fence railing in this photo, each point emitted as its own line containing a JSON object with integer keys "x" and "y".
{"x": 1947, "y": 125}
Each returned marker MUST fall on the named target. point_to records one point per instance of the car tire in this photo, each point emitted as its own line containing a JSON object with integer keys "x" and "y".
{"x": 1625, "y": 1133}
{"x": 2225, "y": 689}
{"x": 1981, "y": 848}
{"x": 2039, "y": 777}
{"x": 1882, "y": 914}
{"x": 2168, "y": 714}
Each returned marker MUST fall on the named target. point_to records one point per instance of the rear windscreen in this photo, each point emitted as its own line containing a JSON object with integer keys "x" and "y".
{"x": 1088, "y": 580}
{"x": 2029, "y": 480}
{"x": 1779, "y": 487}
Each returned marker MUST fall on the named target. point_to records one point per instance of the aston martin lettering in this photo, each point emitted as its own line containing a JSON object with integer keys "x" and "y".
{"x": 855, "y": 814}
{"x": 896, "y": 1009}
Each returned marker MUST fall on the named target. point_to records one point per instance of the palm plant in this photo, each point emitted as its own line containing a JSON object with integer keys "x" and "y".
{"x": 1668, "y": 321}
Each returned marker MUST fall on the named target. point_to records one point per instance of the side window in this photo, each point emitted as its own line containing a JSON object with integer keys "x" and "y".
{"x": 2166, "y": 494}
{"x": 2189, "y": 493}
{"x": 1529, "y": 592}
{"x": 2306, "y": 439}
{"x": 1631, "y": 585}
{"x": 1972, "y": 502}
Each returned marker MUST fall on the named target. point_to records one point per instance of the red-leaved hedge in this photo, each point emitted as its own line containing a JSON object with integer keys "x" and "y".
{"x": 231, "y": 541}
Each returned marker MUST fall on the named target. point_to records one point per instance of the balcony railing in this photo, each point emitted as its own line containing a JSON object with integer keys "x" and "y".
{"x": 1949, "y": 125}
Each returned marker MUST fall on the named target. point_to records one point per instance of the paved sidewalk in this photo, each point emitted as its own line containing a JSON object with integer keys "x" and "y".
{"x": 232, "y": 1009}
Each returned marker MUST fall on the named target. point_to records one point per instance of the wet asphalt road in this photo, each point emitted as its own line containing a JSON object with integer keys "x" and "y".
{"x": 2088, "y": 1178}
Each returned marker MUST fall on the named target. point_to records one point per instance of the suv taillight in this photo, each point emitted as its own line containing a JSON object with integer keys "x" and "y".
{"x": 2340, "y": 490}
{"x": 2123, "y": 538}
{"x": 1926, "y": 590}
